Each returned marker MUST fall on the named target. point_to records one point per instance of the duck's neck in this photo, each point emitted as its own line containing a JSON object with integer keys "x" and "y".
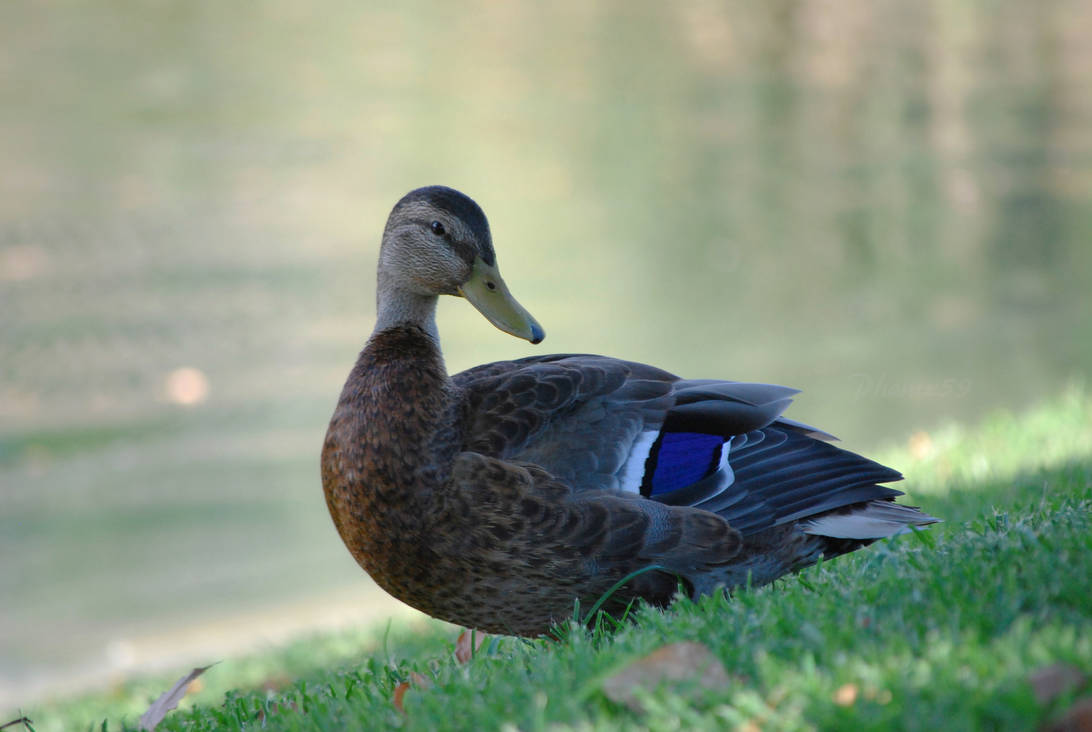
{"x": 395, "y": 306}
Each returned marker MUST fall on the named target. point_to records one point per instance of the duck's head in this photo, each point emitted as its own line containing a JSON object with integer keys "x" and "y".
{"x": 437, "y": 242}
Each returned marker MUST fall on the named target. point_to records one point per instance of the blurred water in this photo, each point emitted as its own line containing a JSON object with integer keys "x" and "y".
{"x": 888, "y": 205}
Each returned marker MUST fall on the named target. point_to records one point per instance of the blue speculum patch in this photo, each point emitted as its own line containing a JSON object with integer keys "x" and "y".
{"x": 684, "y": 458}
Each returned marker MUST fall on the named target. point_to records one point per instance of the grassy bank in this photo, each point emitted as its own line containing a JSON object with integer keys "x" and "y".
{"x": 939, "y": 630}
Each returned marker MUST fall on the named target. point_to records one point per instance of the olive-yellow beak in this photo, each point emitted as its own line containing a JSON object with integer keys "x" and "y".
{"x": 487, "y": 292}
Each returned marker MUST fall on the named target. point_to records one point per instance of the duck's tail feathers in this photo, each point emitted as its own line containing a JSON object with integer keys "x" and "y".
{"x": 872, "y": 520}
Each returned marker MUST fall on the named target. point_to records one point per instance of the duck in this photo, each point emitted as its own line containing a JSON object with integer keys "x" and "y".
{"x": 503, "y": 497}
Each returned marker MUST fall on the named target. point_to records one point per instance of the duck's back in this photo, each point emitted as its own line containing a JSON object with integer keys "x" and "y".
{"x": 599, "y": 423}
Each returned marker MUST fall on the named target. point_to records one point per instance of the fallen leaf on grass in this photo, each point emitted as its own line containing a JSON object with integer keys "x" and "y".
{"x": 1052, "y": 681}
{"x": 675, "y": 663}
{"x": 415, "y": 679}
{"x": 463, "y": 651}
{"x": 169, "y": 699}
{"x": 1078, "y": 718}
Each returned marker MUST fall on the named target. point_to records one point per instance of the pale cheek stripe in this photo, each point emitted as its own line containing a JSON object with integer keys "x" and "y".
{"x": 634, "y": 469}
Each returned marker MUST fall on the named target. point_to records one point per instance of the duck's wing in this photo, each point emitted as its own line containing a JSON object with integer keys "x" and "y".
{"x": 599, "y": 423}
{"x": 578, "y": 416}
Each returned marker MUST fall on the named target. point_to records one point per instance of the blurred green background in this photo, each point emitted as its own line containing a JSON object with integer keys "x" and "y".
{"x": 887, "y": 204}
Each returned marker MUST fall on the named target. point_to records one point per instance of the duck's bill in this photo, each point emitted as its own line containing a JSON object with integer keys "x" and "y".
{"x": 487, "y": 292}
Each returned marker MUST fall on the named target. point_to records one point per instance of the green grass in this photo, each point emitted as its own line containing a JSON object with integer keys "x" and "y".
{"x": 936, "y": 630}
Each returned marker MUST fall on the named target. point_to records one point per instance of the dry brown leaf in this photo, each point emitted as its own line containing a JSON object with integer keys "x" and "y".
{"x": 1050, "y": 682}
{"x": 169, "y": 699}
{"x": 399, "y": 692}
{"x": 415, "y": 679}
{"x": 675, "y": 663}
{"x": 1078, "y": 718}
{"x": 463, "y": 651}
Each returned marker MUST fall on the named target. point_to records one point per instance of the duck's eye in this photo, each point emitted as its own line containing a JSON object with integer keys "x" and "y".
{"x": 437, "y": 228}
